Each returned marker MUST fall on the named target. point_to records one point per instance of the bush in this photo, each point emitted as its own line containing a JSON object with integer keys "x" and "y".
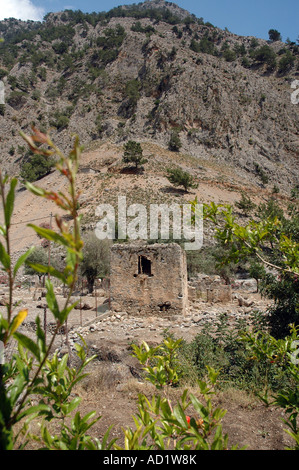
{"x": 245, "y": 204}
{"x": 205, "y": 45}
{"x": 113, "y": 38}
{"x": 3, "y": 73}
{"x": 166, "y": 424}
{"x": 96, "y": 259}
{"x": 17, "y": 99}
{"x": 60, "y": 47}
{"x": 221, "y": 347}
{"x": 286, "y": 63}
{"x": 209, "y": 262}
{"x": 36, "y": 167}
{"x": 284, "y": 290}
{"x": 38, "y": 256}
{"x": 178, "y": 177}
{"x": 138, "y": 28}
{"x": 61, "y": 119}
{"x": 261, "y": 172}
{"x": 31, "y": 372}
{"x": 283, "y": 354}
{"x": 266, "y": 55}
{"x": 61, "y": 122}
{"x": 271, "y": 240}
{"x": 174, "y": 143}
{"x": 229, "y": 55}
{"x": 132, "y": 92}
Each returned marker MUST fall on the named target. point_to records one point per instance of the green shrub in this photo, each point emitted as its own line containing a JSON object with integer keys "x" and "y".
{"x": 283, "y": 353}
{"x": 178, "y": 177}
{"x": 138, "y": 28}
{"x": 245, "y": 204}
{"x": 245, "y": 62}
{"x": 61, "y": 122}
{"x": 61, "y": 118}
{"x": 17, "y": 99}
{"x": 36, "y": 94}
{"x": 270, "y": 239}
{"x": 3, "y": 73}
{"x": 132, "y": 92}
{"x": 284, "y": 290}
{"x": 221, "y": 346}
{"x": 265, "y": 55}
{"x": 38, "y": 256}
{"x": 229, "y": 55}
{"x": 205, "y": 45}
{"x": 31, "y": 372}
{"x": 113, "y": 38}
{"x": 162, "y": 425}
{"x": 209, "y": 262}
{"x": 286, "y": 63}
{"x": 174, "y": 143}
{"x": 60, "y": 47}
{"x": 36, "y": 167}
{"x": 261, "y": 172}
{"x": 96, "y": 259}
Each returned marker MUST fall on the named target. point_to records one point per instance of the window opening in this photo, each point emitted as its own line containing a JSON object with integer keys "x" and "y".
{"x": 144, "y": 266}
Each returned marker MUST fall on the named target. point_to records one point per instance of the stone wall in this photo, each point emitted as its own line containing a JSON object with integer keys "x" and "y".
{"x": 209, "y": 289}
{"x": 148, "y": 279}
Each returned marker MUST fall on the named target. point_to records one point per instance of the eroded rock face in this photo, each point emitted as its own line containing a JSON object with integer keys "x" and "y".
{"x": 241, "y": 114}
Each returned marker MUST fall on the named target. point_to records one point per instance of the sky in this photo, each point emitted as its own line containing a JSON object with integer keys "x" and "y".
{"x": 243, "y": 17}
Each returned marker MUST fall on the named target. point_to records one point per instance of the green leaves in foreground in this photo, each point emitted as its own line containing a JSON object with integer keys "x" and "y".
{"x": 190, "y": 424}
{"x": 30, "y": 371}
{"x": 253, "y": 239}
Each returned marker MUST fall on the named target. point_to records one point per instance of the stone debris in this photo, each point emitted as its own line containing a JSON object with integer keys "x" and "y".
{"x": 125, "y": 326}
{"x": 111, "y": 326}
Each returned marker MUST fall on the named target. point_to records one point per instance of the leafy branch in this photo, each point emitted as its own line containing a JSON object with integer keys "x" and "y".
{"x": 22, "y": 377}
{"x": 254, "y": 238}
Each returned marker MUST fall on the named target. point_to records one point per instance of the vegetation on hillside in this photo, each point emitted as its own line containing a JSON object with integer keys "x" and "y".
{"x": 228, "y": 355}
{"x": 133, "y": 154}
{"x": 178, "y": 177}
{"x": 74, "y": 56}
{"x": 262, "y": 359}
{"x": 269, "y": 239}
{"x": 22, "y": 42}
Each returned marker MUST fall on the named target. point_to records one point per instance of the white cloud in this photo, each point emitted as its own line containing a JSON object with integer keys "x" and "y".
{"x": 21, "y": 10}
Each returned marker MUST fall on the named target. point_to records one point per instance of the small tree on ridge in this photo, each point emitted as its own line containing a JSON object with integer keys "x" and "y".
{"x": 133, "y": 153}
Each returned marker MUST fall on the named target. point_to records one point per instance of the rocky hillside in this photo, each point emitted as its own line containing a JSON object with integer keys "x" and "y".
{"x": 150, "y": 72}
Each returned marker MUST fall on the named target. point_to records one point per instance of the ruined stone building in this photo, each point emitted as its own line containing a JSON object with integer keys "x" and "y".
{"x": 149, "y": 279}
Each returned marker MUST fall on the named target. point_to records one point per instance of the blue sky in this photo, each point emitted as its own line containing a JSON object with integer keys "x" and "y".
{"x": 244, "y": 17}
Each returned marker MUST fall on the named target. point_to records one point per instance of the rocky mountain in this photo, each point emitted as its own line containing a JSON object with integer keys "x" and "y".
{"x": 167, "y": 9}
{"x": 152, "y": 72}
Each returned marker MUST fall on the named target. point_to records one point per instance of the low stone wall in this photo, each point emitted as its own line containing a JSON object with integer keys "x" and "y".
{"x": 209, "y": 289}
